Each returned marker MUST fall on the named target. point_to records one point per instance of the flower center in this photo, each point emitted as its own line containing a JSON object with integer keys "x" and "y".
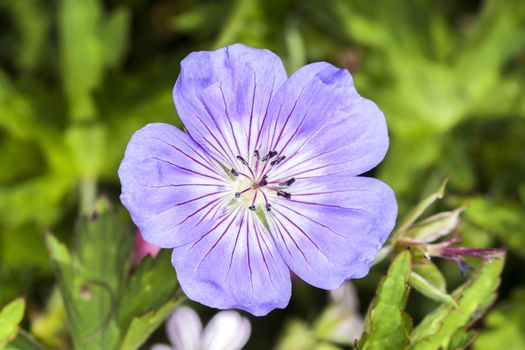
{"x": 253, "y": 187}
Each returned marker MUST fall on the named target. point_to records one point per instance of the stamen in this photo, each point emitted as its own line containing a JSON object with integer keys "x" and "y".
{"x": 243, "y": 161}
{"x": 268, "y": 206}
{"x": 284, "y": 194}
{"x": 234, "y": 172}
{"x": 256, "y": 154}
{"x": 238, "y": 194}
{"x": 263, "y": 181}
{"x": 287, "y": 183}
{"x": 278, "y": 160}
{"x": 252, "y": 207}
{"x": 270, "y": 155}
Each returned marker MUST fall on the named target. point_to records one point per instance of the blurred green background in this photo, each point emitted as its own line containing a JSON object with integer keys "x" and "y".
{"x": 78, "y": 77}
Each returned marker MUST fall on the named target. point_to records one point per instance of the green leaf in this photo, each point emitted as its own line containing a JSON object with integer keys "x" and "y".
{"x": 91, "y": 278}
{"x": 24, "y": 341}
{"x": 387, "y": 326}
{"x": 10, "y": 317}
{"x": 473, "y": 298}
{"x": 504, "y": 220}
{"x": 429, "y": 290}
{"x": 151, "y": 287}
{"x": 505, "y": 325}
{"x": 434, "y": 227}
{"x": 142, "y": 326}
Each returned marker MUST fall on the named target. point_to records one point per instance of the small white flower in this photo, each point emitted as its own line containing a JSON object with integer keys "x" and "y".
{"x": 227, "y": 330}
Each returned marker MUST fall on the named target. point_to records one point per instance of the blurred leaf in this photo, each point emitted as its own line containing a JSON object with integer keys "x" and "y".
{"x": 115, "y": 31}
{"x": 473, "y": 298}
{"x": 24, "y": 341}
{"x": 90, "y": 285}
{"x": 387, "y": 326}
{"x": 10, "y": 317}
{"x": 88, "y": 144}
{"x": 49, "y": 326}
{"x": 504, "y": 220}
{"x": 419, "y": 209}
{"x": 505, "y": 325}
{"x": 82, "y": 54}
{"x": 296, "y": 336}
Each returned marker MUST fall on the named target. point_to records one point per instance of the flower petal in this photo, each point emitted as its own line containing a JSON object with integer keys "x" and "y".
{"x": 330, "y": 230}
{"x": 169, "y": 184}
{"x": 322, "y": 125}
{"x": 161, "y": 347}
{"x": 184, "y": 329}
{"x": 234, "y": 265}
{"x": 222, "y": 97}
{"x": 227, "y": 330}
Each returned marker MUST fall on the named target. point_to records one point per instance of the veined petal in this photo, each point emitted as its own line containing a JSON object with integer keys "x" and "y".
{"x": 322, "y": 125}
{"x": 331, "y": 229}
{"x": 169, "y": 184}
{"x": 184, "y": 329}
{"x": 223, "y": 96}
{"x": 227, "y": 330}
{"x": 234, "y": 264}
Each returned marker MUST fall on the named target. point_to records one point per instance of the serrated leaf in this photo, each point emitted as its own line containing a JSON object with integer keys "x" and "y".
{"x": 10, "y": 317}
{"x": 142, "y": 326}
{"x": 473, "y": 298}
{"x": 387, "y": 326}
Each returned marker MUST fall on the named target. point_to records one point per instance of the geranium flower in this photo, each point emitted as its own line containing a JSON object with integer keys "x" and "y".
{"x": 264, "y": 182}
{"x": 227, "y": 330}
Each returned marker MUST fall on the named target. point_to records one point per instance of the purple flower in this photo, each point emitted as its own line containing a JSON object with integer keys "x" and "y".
{"x": 264, "y": 182}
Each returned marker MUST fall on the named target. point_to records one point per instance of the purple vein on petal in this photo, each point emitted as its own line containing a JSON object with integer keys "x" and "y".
{"x": 262, "y": 253}
{"x": 220, "y": 238}
{"x": 286, "y": 121}
{"x": 235, "y": 244}
{"x": 228, "y": 157}
{"x": 312, "y": 220}
{"x": 298, "y": 126}
{"x": 190, "y": 157}
{"x": 188, "y": 201}
{"x": 248, "y": 250}
{"x": 189, "y": 170}
{"x": 265, "y": 115}
{"x": 219, "y": 129}
{"x": 251, "y": 114}
{"x": 229, "y": 119}
{"x": 201, "y": 208}
{"x": 278, "y": 222}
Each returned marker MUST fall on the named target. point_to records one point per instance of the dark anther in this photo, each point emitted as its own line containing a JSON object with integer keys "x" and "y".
{"x": 270, "y": 155}
{"x": 284, "y": 194}
{"x": 287, "y": 183}
{"x": 263, "y": 181}
{"x": 244, "y": 162}
{"x": 234, "y": 172}
{"x": 252, "y": 207}
{"x": 256, "y": 154}
{"x": 237, "y": 194}
{"x": 278, "y": 160}
{"x": 268, "y": 207}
